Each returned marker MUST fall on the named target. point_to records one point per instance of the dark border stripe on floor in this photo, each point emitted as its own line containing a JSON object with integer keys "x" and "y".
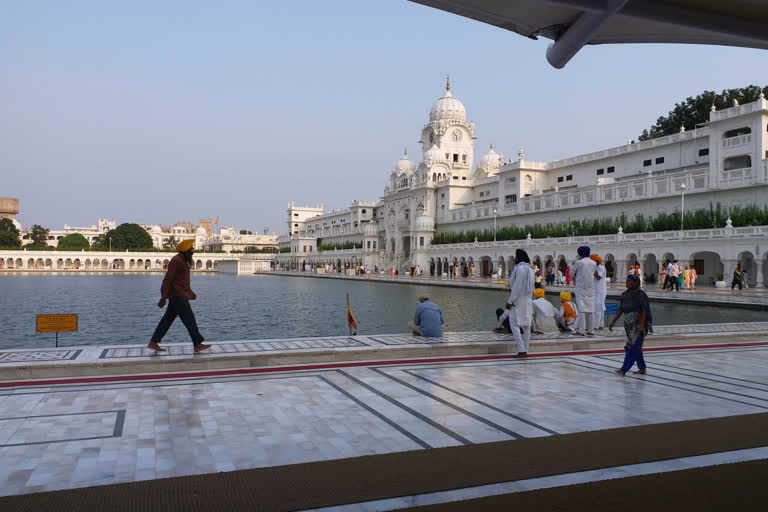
{"x": 376, "y": 477}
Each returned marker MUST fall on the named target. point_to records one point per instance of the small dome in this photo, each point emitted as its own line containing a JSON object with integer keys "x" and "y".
{"x": 491, "y": 161}
{"x": 404, "y": 165}
{"x": 424, "y": 223}
{"x": 371, "y": 229}
{"x": 448, "y": 108}
{"x": 433, "y": 155}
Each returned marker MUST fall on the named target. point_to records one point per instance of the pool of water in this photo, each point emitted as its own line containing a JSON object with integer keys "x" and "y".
{"x": 116, "y": 309}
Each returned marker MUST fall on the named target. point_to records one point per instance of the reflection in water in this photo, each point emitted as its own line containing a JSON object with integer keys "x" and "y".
{"x": 116, "y": 309}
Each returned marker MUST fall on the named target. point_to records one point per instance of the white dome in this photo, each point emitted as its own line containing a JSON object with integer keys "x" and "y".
{"x": 448, "y": 108}
{"x": 433, "y": 155}
{"x": 404, "y": 165}
{"x": 371, "y": 229}
{"x": 491, "y": 160}
{"x": 424, "y": 223}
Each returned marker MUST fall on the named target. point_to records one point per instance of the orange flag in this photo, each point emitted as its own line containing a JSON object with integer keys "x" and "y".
{"x": 351, "y": 319}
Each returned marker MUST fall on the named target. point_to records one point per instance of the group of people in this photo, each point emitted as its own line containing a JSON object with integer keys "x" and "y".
{"x": 527, "y": 310}
{"x": 672, "y": 276}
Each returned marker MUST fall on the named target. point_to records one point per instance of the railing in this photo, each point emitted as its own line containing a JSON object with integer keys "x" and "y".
{"x": 738, "y": 177}
{"x": 691, "y": 234}
{"x": 738, "y": 140}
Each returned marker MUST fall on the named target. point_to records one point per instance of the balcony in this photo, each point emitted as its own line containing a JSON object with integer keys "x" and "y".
{"x": 739, "y": 140}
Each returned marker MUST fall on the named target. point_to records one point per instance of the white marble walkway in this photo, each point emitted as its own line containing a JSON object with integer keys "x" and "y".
{"x": 74, "y": 435}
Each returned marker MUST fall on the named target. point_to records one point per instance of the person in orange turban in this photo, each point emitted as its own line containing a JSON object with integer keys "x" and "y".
{"x": 177, "y": 291}
{"x": 601, "y": 291}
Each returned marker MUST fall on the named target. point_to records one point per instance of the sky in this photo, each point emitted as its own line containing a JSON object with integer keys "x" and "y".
{"x": 158, "y": 112}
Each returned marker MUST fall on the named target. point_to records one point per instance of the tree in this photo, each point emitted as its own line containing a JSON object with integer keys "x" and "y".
{"x": 73, "y": 242}
{"x": 245, "y": 232}
{"x": 9, "y": 235}
{"x": 171, "y": 243}
{"x": 39, "y": 236}
{"x": 696, "y": 110}
{"x": 130, "y": 237}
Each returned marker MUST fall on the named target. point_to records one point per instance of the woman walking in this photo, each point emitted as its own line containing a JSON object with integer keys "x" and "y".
{"x": 635, "y": 307}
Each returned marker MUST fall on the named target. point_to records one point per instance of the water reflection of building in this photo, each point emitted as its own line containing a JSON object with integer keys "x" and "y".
{"x": 724, "y": 160}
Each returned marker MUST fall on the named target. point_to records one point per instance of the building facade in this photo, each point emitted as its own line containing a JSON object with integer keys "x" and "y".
{"x": 724, "y": 161}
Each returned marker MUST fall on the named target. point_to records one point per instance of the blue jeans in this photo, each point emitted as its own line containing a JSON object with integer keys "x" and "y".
{"x": 634, "y": 355}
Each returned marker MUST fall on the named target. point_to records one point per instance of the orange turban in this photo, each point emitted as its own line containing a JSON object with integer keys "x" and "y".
{"x": 538, "y": 293}
{"x": 597, "y": 259}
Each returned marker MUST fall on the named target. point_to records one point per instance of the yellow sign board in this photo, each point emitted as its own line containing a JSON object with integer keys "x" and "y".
{"x": 56, "y": 323}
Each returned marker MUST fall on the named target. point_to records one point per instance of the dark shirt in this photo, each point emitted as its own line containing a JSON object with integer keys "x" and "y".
{"x": 176, "y": 282}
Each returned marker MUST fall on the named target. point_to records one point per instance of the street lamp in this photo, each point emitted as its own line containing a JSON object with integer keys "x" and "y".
{"x": 110, "y": 244}
{"x": 682, "y": 207}
{"x": 494, "y": 225}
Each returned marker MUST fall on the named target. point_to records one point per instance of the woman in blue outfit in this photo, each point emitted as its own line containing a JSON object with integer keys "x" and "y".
{"x": 635, "y": 307}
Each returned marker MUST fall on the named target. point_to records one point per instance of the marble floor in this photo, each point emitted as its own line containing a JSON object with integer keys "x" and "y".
{"x": 76, "y": 435}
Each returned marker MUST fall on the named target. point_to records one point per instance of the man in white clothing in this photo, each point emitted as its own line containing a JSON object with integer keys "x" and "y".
{"x": 601, "y": 291}
{"x": 583, "y": 272}
{"x": 520, "y": 303}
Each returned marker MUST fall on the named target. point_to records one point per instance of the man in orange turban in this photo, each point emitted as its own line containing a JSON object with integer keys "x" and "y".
{"x": 176, "y": 290}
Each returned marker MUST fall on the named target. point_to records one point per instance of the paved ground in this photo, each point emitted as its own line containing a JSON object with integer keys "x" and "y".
{"x": 82, "y": 434}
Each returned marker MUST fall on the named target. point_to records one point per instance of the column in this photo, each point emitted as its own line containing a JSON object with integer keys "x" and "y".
{"x": 759, "y": 274}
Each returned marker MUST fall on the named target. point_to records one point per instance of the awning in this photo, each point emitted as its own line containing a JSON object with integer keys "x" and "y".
{"x": 574, "y": 23}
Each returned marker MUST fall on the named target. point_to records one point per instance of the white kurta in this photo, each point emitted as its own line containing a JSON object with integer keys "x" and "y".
{"x": 583, "y": 272}
{"x": 522, "y": 299}
{"x": 544, "y": 316}
{"x": 601, "y": 287}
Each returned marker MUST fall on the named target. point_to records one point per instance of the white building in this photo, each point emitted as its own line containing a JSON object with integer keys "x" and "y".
{"x": 724, "y": 161}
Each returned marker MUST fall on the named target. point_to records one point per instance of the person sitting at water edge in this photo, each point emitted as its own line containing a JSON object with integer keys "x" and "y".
{"x": 176, "y": 290}
{"x": 543, "y": 314}
{"x": 428, "y": 319}
{"x": 567, "y": 315}
{"x": 635, "y": 307}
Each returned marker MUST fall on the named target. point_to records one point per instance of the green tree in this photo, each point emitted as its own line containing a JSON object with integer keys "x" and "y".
{"x": 39, "y": 236}
{"x": 696, "y": 110}
{"x": 171, "y": 243}
{"x": 9, "y": 235}
{"x": 73, "y": 242}
{"x": 130, "y": 237}
{"x": 245, "y": 232}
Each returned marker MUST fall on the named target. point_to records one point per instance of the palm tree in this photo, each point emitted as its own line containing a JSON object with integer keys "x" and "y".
{"x": 171, "y": 243}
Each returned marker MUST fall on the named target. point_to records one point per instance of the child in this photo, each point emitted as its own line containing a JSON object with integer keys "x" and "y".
{"x": 566, "y": 316}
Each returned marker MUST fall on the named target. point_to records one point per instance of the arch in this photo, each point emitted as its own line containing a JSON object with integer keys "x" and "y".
{"x": 68, "y": 263}
{"x": 104, "y": 264}
{"x": 650, "y": 268}
{"x": 609, "y": 262}
{"x": 48, "y": 263}
{"x": 486, "y": 266}
{"x": 709, "y": 266}
{"x": 748, "y": 264}
{"x": 737, "y": 162}
{"x": 502, "y": 266}
{"x": 40, "y": 263}
{"x": 208, "y": 265}
{"x": 215, "y": 264}
{"x": 88, "y": 264}
{"x": 31, "y": 263}
{"x": 76, "y": 263}
{"x": 744, "y": 130}
{"x": 140, "y": 264}
{"x": 132, "y": 264}
{"x": 198, "y": 264}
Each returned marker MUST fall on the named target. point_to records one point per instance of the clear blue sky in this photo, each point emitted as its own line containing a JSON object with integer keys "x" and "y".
{"x": 154, "y": 112}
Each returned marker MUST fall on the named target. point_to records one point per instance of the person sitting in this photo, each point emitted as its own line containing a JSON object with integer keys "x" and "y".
{"x": 566, "y": 316}
{"x": 543, "y": 314}
{"x": 428, "y": 319}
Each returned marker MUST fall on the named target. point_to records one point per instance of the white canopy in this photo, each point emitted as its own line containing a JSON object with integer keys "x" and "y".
{"x": 574, "y": 23}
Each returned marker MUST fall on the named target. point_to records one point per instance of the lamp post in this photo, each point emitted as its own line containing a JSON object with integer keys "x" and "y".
{"x": 682, "y": 207}
{"x": 494, "y": 226}
{"x": 110, "y": 244}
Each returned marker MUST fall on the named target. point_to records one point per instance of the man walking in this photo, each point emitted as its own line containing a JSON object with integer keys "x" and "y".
{"x": 176, "y": 290}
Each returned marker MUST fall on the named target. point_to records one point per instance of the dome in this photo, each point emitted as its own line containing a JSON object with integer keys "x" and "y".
{"x": 371, "y": 229}
{"x": 433, "y": 155}
{"x": 404, "y": 165}
{"x": 424, "y": 223}
{"x": 448, "y": 108}
{"x": 491, "y": 161}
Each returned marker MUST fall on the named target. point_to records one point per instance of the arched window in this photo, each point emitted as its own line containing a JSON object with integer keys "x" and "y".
{"x": 738, "y": 131}
{"x": 528, "y": 178}
{"x": 363, "y": 211}
{"x": 434, "y": 176}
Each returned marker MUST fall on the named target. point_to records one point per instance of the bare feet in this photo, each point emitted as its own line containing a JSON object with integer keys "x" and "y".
{"x": 640, "y": 372}
{"x": 620, "y": 372}
{"x": 578, "y": 333}
{"x": 201, "y": 347}
{"x": 154, "y": 346}
{"x": 500, "y": 330}
{"x": 520, "y": 355}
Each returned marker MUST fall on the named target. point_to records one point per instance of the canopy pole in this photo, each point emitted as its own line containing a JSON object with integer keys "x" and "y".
{"x": 580, "y": 32}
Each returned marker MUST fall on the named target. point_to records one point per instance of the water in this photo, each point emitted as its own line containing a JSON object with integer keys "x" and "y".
{"x": 116, "y": 309}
